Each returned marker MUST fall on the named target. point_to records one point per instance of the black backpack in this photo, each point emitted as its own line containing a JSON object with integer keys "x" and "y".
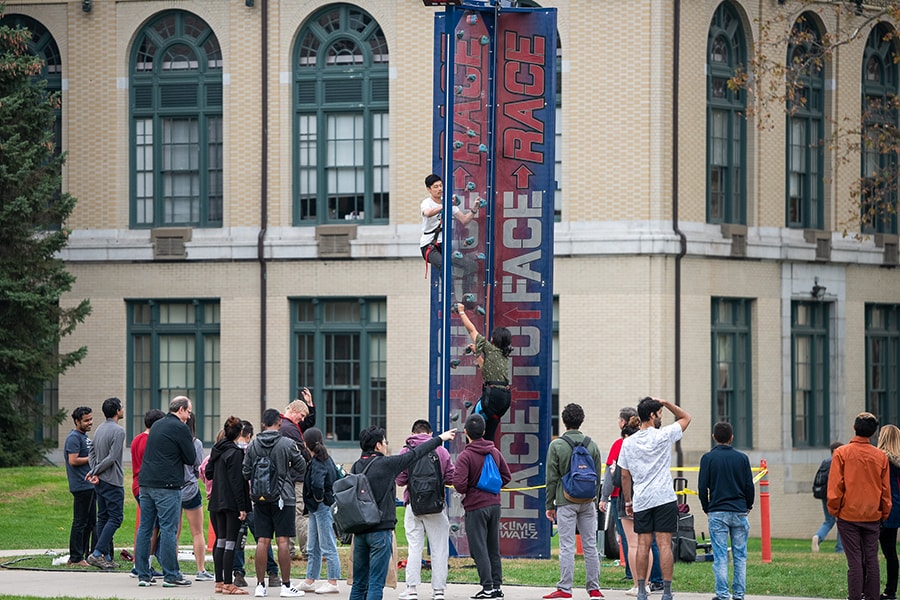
{"x": 355, "y": 509}
{"x": 820, "y": 483}
{"x": 265, "y": 485}
{"x": 426, "y": 485}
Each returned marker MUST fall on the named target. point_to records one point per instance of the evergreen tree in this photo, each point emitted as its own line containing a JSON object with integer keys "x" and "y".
{"x": 32, "y": 276}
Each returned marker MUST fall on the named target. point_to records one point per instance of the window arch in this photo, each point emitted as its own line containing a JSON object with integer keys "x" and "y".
{"x": 879, "y": 160}
{"x": 806, "y": 127}
{"x": 341, "y": 127}
{"x": 726, "y": 146}
{"x": 176, "y": 123}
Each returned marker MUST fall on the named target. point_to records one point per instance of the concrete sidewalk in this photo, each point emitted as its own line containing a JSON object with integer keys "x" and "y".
{"x": 93, "y": 583}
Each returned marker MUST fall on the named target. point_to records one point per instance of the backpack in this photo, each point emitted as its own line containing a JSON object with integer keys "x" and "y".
{"x": 265, "y": 485}
{"x": 489, "y": 480}
{"x": 820, "y": 483}
{"x": 355, "y": 510}
{"x": 580, "y": 483}
{"x": 426, "y": 485}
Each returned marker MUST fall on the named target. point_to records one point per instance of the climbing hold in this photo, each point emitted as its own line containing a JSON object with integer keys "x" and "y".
{"x": 482, "y": 148}
{"x": 454, "y": 528}
{"x": 470, "y": 241}
{"x": 454, "y": 417}
{"x": 453, "y": 308}
{"x": 479, "y": 256}
{"x": 470, "y": 186}
{"x": 480, "y": 310}
{"x": 471, "y": 133}
{"x": 484, "y": 40}
{"x": 472, "y": 19}
{"x": 467, "y": 404}
{"x": 460, "y": 34}
{"x": 454, "y": 363}
{"x": 457, "y": 255}
{"x": 468, "y": 351}
{"x": 481, "y": 203}
{"x": 457, "y": 144}
{"x": 471, "y": 76}
{"x": 456, "y": 200}
{"x": 459, "y": 90}
{"x": 470, "y": 298}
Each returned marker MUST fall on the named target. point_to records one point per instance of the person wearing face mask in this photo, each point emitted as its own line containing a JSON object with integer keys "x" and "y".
{"x": 647, "y": 488}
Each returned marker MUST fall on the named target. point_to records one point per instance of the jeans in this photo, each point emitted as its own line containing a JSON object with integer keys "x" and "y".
{"x": 371, "y": 557}
{"x": 162, "y": 505}
{"x": 826, "y": 527}
{"x": 321, "y": 542}
{"x": 861, "y": 550}
{"x": 584, "y": 517}
{"x": 84, "y": 524}
{"x": 723, "y": 525}
{"x": 437, "y": 528}
{"x": 271, "y": 565}
{"x": 483, "y": 531}
{"x": 110, "y": 513}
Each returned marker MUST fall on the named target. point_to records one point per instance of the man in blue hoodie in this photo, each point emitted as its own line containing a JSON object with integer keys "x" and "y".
{"x": 726, "y": 493}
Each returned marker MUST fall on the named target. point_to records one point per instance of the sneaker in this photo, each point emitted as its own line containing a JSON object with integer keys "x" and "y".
{"x": 99, "y": 562}
{"x": 482, "y": 595}
{"x": 177, "y": 583}
{"x": 557, "y": 594}
{"x": 595, "y": 594}
{"x": 307, "y": 587}
{"x": 408, "y": 594}
{"x": 204, "y": 576}
{"x": 327, "y": 588}
{"x": 437, "y": 595}
{"x": 133, "y": 573}
{"x": 146, "y": 582}
{"x": 289, "y": 591}
{"x": 656, "y": 586}
{"x": 261, "y": 591}
{"x": 274, "y": 580}
{"x": 239, "y": 580}
{"x": 497, "y": 593}
{"x": 815, "y": 543}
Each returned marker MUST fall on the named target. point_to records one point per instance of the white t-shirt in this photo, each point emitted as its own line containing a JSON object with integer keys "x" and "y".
{"x": 430, "y": 224}
{"x": 647, "y": 454}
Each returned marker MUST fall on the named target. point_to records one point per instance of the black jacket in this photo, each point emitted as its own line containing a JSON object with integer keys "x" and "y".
{"x": 381, "y": 477}
{"x": 291, "y": 431}
{"x": 229, "y": 488}
{"x": 317, "y": 487}
{"x": 169, "y": 447}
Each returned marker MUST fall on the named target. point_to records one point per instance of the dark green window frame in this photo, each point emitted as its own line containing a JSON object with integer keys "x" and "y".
{"x": 805, "y": 189}
{"x": 732, "y": 366}
{"x": 341, "y": 123}
{"x": 810, "y": 374}
{"x": 339, "y": 351}
{"x": 878, "y": 166}
{"x": 174, "y": 349}
{"x": 883, "y": 361}
{"x": 176, "y": 149}
{"x": 726, "y": 127}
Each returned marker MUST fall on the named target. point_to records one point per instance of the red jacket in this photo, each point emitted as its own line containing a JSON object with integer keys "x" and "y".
{"x": 859, "y": 483}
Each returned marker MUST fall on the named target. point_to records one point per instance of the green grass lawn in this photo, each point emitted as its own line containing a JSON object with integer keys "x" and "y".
{"x": 36, "y": 512}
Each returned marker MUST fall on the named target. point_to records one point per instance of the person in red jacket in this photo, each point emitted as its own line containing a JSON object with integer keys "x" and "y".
{"x": 482, "y": 507}
{"x": 859, "y": 496}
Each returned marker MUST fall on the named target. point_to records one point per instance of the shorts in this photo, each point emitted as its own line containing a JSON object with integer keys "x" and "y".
{"x": 271, "y": 521}
{"x": 659, "y": 519}
{"x": 195, "y": 502}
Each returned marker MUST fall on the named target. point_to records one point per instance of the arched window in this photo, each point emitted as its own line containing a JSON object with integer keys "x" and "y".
{"x": 176, "y": 123}
{"x": 726, "y": 146}
{"x": 44, "y": 47}
{"x": 806, "y": 127}
{"x": 341, "y": 128}
{"x": 879, "y": 159}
